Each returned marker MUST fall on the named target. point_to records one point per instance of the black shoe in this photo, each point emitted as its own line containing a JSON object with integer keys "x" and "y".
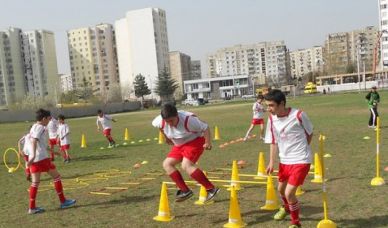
{"x": 182, "y": 196}
{"x": 211, "y": 193}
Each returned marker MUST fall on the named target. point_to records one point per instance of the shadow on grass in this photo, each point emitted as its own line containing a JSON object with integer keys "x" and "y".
{"x": 374, "y": 221}
{"x": 122, "y": 200}
{"x": 97, "y": 157}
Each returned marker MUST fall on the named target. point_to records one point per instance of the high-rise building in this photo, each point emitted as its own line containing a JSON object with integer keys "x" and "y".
{"x": 304, "y": 61}
{"x": 195, "y": 70}
{"x": 28, "y": 65}
{"x": 268, "y": 59}
{"x": 342, "y": 50}
{"x": 383, "y": 26}
{"x": 66, "y": 83}
{"x": 93, "y": 58}
{"x": 180, "y": 69}
{"x": 142, "y": 47}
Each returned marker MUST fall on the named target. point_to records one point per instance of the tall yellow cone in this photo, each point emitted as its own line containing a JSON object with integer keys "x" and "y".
{"x": 164, "y": 208}
{"x": 261, "y": 167}
{"x": 378, "y": 180}
{"x": 83, "y": 141}
{"x": 161, "y": 138}
{"x": 234, "y": 182}
{"x": 126, "y": 135}
{"x": 271, "y": 199}
{"x": 299, "y": 191}
{"x": 317, "y": 169}
{"x": 202, "y": 196}
{"x": 216, "y": 133}
{"x": 235, "y": 220}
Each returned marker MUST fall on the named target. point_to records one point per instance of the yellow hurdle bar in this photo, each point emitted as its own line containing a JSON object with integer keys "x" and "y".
{"x": 116, "y": 188}
{"x": 101, "y": 193}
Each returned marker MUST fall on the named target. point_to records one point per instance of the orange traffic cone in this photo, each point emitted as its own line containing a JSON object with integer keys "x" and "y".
{"x": 235, "y": 220}
{"x": 164, "y": 209}
{"x": 271, "y": 199}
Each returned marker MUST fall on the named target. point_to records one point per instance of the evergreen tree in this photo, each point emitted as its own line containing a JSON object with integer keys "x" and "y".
{"x": 141, "y": 87}
{"x": 165, "y": 86}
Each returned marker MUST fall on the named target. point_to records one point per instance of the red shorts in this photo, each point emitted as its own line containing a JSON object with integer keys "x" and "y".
{"x": 257, "y": 121}
{"x": 106, "y": 132}
{"x": 25, "y": 158}
{"x": 65, "y": 147}
{"x": 42, "y": 166}
{"x": 53, "y": 142}
{"x": 191, "y": 150}
{"x": 293, "y": 174}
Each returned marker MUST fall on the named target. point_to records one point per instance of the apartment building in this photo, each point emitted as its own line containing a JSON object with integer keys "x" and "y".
{"x": 304, "y": 61}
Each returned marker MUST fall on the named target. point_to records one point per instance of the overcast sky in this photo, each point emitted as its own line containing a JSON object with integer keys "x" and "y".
{"x": 199, "y": 27}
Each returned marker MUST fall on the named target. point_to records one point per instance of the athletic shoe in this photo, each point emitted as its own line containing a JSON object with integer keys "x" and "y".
{"x": 211, "y": 193}
{"x": 68, "y": 203}
{"x": 35, "y": 210}
{"x": 245, "y": 139}
{"x": 281, "y": 214}
{"x": 295, "y": 226}
{"x": 182, "y": 196}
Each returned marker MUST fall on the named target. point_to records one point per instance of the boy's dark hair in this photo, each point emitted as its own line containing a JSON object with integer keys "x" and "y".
{"x": 275, "y": 95}
{"x": 168, "y": 110}
{"x": 99, "y": 111}
{"x": 41, "y": 113}
{"x": 61, "y": 117}
{"x": 260, "y": 96}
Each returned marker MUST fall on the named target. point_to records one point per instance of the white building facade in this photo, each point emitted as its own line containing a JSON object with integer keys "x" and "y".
{"x": 383, "y": 26}
{"x": 66, "y": 83}
{"x": 305, "y": 61}
{"x": 265, "y": 59}
{"x": 142, "y": 47}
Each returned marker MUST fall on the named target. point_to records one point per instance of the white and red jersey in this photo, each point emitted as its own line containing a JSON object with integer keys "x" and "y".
{"x": 63, "y": 134}
{"x": 290, "y": 134}
{"x": 106, "y": 121}
{"x": 258, "y": 111}
{"x": 39, "y": 133}
{"x": 52, "y": 128}
{"x": 188, "y": 128}
{"x": 26, "y": 142}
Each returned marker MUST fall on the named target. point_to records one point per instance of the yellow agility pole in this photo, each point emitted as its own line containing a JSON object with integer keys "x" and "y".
{"x": 377, "y": 181}
{"x": 326, "y": 222}
{"x": 11, "y": 169}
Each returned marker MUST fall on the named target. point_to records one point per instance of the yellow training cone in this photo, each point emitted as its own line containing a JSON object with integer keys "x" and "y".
{"x": 235, "y": 220}
{"x": 164, "y": 208}
{"x": 126, "y": 135}
{"x": 83, "y": 141}
{"x": 271, "y": 199}
{"x": 235, "y": 180}
{"x": 299, "y": 191}
{"x": 261, "y": 167}
{"x": 317, "y": 169}
{"x": 216, "y": 133}
{"x": 161, "y": 138}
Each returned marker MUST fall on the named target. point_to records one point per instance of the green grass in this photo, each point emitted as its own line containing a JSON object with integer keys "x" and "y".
{"x": 342, "y": 118}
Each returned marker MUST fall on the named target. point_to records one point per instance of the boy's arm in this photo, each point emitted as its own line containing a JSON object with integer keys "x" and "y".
{"x": 67, "y": 132}
{"x": 208, "y": 141}
{"x": 98, "y": 124}
{"x": 31, "y": 159}
{"x": 20, "y": 146}
{"x": 272, "y": 157}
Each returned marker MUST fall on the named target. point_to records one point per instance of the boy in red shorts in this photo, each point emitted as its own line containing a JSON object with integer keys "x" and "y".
{"x": 52, "y": 128}
{"x": 290, "y": 131}
{"x": 258, "y": 117}
{"x": 64, "y": 138}
{"x": 23, "y": 152}
{"x": 189, "y": 136}
{"x": 39, "y": 161}
{"x": 106, "y": 123}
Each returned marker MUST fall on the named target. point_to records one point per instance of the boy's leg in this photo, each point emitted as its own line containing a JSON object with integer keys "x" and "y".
{"x": 57, "y": 184}
{"x": 294, "y": 207}
{"x": 34, "y": 189}
{"x": 51, "y": 149}
{"x": 169, "y": 166}
{"x": 283, "y": 211}
{"x": 196, "y": 174}
{"x": 262, "y": 131}
{"x": 249, "y": 131}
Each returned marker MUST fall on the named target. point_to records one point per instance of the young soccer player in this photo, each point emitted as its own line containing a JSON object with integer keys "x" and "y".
{"x": 106, "y": 123}
{"x": 26, "y": 144}
{"x": 373, "y": 99}
{"x": 64, "y": 138}
{"x": 289, "y": 131}
{"x": 52, "y": 129}
{"x": 39, "y": 161}
{"x": 258, "y": 114}
{"x": 189, "y": 136}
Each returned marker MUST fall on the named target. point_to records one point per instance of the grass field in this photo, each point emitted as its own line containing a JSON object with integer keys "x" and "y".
{"x": 342, "y": 118}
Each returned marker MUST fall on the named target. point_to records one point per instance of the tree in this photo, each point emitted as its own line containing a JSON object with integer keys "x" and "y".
{"x": 85, "y": 92}
{"x": 141, "y": 87}
{"x": 165, "y": 86}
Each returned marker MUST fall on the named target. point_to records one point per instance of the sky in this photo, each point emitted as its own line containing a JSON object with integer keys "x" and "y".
{"x": 199, "y": 27}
